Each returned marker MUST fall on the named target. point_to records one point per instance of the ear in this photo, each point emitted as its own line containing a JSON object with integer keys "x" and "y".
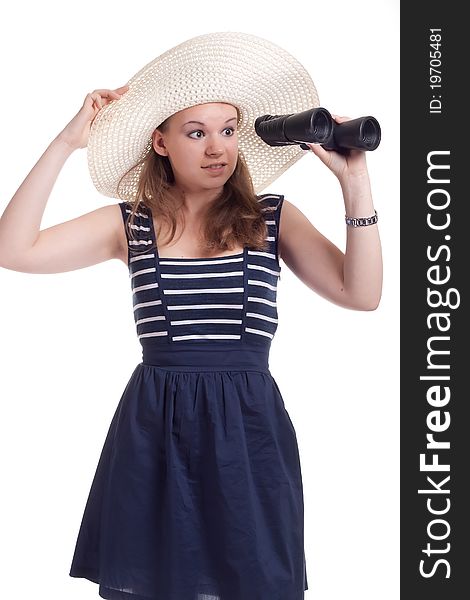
{"x": 158, "y": 143}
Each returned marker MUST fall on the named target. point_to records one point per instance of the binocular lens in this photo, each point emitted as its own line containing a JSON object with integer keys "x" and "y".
{"x": 322, "y": 126}
{"x": 370, "y": 133}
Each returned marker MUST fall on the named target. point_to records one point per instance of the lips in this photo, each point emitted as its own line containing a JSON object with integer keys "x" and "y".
{"x": 215, "y": 165}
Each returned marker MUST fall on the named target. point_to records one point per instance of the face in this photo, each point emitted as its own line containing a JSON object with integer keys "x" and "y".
{"x": 190, "y": 147}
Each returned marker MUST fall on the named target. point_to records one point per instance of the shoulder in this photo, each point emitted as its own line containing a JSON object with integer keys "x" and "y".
{"x": 127, "y": 208}
{"x": 296, "y": 231}
{"x": 139, "y": 225}
{"x": 120, "y": 215}
{"x": 270, "y": 202}
{"x": 141, "y": 219}
{"x": 272, "y": 205}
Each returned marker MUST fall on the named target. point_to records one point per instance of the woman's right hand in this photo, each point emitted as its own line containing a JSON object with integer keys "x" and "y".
{"x": 76, "y": 133}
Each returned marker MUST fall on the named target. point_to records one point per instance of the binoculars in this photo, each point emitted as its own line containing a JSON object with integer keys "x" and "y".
{"x": 317, "y": 126}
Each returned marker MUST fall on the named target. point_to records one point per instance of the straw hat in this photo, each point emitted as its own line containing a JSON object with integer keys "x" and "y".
{"x": 252, "y": 73}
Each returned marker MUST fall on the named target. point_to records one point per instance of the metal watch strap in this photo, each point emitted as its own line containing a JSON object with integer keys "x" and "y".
{"x": 361, "y": 221}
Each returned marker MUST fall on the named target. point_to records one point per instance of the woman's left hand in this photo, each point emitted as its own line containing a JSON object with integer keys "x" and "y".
{"x": 343, "y": 166}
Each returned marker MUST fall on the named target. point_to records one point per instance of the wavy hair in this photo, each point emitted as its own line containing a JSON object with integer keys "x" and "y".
{"x": 234, "y": 218}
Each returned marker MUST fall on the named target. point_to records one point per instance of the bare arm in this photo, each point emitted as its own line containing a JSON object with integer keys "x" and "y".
{"x": 84, "y": 241}
{"x": 362, "y": 264}
{"x": 353, "y": 279}
{"x": 21, "y": 220}
{"x": 81, "y": 242}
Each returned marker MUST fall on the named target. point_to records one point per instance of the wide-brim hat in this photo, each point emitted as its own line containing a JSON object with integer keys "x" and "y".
{"x": 252, "y": 73}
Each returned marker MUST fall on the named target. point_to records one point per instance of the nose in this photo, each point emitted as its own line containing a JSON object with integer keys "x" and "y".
{"x": 214, "y": 146}
{"x": 214, "y": 150}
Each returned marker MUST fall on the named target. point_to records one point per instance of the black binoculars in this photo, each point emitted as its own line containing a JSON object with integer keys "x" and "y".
{"x": 317, "y": 126}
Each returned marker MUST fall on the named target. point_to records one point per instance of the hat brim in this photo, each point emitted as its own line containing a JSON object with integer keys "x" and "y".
{"x": 253, "y": 74}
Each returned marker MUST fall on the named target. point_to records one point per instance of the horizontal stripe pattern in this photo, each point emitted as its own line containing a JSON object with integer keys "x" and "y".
{"x": 221, "y": 298}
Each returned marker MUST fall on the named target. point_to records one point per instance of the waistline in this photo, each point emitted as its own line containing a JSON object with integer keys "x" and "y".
{"x": 208, "y": 357}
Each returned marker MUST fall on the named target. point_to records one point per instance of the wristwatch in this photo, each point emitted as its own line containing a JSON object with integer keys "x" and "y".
{"x": 361, "y": 221}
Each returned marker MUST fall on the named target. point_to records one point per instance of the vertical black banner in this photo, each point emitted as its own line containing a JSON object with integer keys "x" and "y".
{"x": 435, "y": 469}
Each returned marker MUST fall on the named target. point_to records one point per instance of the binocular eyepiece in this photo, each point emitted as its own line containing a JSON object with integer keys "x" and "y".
{"x": 317, "y": 126}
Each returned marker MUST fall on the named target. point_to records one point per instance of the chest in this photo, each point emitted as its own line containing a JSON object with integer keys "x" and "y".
{"x": 186, "y": 246}
{"x": 190, "y": 245}
{"x": 190, "y": 249}
{"x": 227, "y": 298}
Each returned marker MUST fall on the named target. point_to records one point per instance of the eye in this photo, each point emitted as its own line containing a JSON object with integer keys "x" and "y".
{"x": 200, "y": 130}
{"x": 197, "y": 131}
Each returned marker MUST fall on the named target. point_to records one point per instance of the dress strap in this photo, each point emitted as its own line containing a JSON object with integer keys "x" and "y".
{"x": 272, "y": 205}
{"x": 141, "y": 238}
{"x": 139, "y": 230}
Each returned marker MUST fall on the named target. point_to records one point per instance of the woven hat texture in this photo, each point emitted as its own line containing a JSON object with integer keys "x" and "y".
{"x": 252, "y": 73}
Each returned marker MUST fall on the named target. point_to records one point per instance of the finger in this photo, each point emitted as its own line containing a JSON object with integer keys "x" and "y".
{"x": 121, "y": 90}
{"x": 339, "y": 119}
{"x": 318, "y": 150}
{"x": 105, "y": 93}
{"x": 113, "y": 94}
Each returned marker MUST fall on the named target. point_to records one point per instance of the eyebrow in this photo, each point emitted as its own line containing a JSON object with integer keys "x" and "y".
{"x": 200, "y": 123}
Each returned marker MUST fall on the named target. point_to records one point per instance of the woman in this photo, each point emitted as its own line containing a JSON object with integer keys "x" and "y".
{"x": 198, "y": 490}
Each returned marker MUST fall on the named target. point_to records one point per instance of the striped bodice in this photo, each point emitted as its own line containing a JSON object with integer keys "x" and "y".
{"x": 189, "y": 299}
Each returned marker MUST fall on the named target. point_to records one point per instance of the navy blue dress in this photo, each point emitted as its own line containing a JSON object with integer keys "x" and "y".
{"x": 198, "y": 491}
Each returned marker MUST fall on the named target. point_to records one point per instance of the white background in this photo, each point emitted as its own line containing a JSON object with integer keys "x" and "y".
{"x": 68, "y": 342}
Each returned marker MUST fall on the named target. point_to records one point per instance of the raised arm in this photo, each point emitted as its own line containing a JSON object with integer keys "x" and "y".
{"x": 81, "y": 242}
{"x": 352, "y": 279}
